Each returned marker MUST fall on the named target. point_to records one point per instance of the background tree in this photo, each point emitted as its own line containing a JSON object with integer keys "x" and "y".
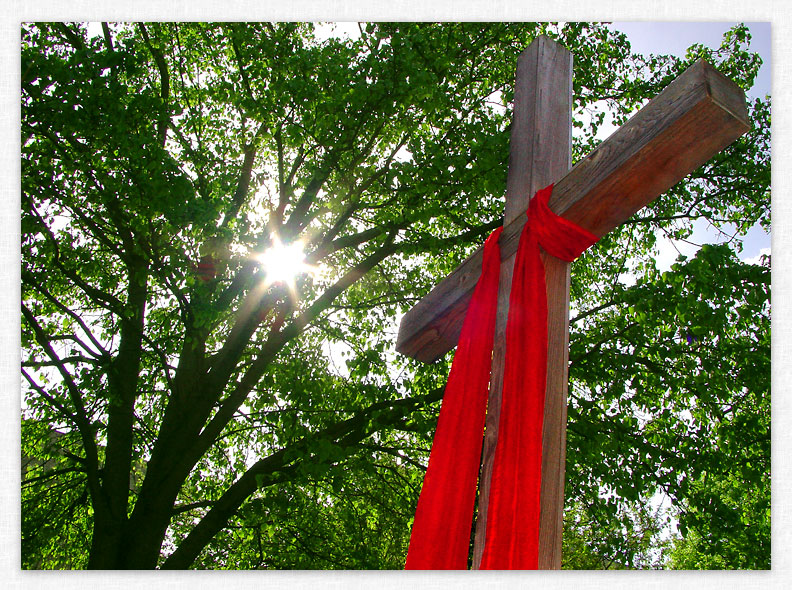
{"x": 181, "y": 409}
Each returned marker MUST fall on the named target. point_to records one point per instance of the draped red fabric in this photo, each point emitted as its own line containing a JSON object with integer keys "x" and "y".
{"x": 512, "y": 537}
{"x": 441, "y": 530}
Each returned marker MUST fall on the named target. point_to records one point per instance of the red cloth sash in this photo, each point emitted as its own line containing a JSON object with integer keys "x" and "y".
{"x": 442, "y": 526}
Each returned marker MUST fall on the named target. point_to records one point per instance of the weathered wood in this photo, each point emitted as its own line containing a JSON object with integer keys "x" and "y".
{"x": 696, "y": 116}
{"x": 539, "y": 151}
{"x": 551, "y": 493}
{"x": 540, "y": 141}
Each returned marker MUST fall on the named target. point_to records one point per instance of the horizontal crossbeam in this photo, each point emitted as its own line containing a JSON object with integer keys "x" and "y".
{"x": 696, "y": 116}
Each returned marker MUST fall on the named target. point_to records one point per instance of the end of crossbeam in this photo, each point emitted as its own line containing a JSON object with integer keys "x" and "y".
{"x": 724, "y": 92}
{"x": 699, "y": 114}
{"x": 427, "y": 341}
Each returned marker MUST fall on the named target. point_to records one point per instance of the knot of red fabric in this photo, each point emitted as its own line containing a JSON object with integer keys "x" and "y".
{"x": 442, "y": 526}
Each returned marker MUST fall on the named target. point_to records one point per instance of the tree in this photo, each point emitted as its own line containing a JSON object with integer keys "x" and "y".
{"x": 190, "y": 412}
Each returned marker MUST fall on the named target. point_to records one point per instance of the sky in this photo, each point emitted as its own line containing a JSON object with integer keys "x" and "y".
{"x": 676, "y": 37}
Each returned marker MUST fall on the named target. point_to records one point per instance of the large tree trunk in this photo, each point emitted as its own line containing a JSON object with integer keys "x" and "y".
{"x": 111, "y": 501}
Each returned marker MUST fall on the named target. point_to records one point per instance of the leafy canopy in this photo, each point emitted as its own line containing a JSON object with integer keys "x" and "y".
{"x": 179, "y": 410}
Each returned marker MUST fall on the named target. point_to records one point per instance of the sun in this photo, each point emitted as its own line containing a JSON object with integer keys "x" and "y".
{"x": 284, "y": 262}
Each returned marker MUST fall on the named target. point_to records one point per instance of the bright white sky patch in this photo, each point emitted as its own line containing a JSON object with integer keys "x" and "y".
{"x": 338, "y": 30}
{"x": 758, "y": 259}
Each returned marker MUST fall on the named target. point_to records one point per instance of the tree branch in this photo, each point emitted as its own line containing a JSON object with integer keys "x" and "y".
{"x": 597, "y": 345}
{"x": 70, "y": 35}
{"x": 49, "y": 475}
{"x": 123, "y": 378}
{"x": 80, "y": 418}
{"x": 277, "y": 340}
{"x": 108, "y": 39}
{"x": 296, "y": 221}
{"x": 192, "y": 506}
{"x": 99, "y": 297}
{"x": 282, "y": 466}
{"x": 29, "y": 278}
{"x": 592, "y": 311}
{"x": 51, "y": 400}
{"x": 243, "y": 184}
{"x": 238, "y": 58}
{"x": 162, "y": 66}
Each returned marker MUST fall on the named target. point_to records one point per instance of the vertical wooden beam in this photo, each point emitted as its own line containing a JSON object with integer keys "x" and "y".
{"x": 540, "y": 152}
{"x": 551, "y": 518}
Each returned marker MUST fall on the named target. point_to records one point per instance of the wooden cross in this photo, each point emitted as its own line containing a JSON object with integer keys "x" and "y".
{"x": 697, "y": 115}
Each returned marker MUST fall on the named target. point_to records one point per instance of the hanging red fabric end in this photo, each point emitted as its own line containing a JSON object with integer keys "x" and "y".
{"x": 441, "y": 529}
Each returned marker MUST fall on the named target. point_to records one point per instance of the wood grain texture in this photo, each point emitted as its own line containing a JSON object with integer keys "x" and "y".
{"x": 540, "y": 150}
{"x": 696, "y": 116}
{"x": 551, "y": 505}
{"x": 541, "y": 130}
